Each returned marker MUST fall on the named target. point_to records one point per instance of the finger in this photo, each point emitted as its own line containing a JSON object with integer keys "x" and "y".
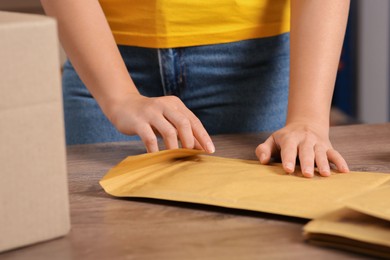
{"x": 149, "y": 138}
{"x": 322, "y": 160}
{"x": 336, "y": 158}
{"x": 265, "y": 150}
{"x": 200, "y": 132}
{"x": 167, "y": 131}
{"x": 183, "y": 126}
{"x": 288, "y": 153}
{"x": 306, "y": 158}
{"x": 197, "y": 145}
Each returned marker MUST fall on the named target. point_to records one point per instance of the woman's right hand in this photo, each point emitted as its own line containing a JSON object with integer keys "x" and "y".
{"x": 167, "y": 116}
{"x": 90, "y": 45}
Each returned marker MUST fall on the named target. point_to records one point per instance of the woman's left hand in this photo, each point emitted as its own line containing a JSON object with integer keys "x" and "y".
{"x": 310, "y": 143}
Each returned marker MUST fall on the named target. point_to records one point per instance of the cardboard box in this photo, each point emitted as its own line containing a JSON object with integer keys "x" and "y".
{"x": 34, "y": 202}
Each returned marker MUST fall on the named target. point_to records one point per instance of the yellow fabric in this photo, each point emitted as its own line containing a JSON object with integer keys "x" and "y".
{"x": 187, "y": 176}
{"x": 179, "y": 23}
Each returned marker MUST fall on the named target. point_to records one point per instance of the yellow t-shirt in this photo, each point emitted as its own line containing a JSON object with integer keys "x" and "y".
{"x": 179, "y": 23}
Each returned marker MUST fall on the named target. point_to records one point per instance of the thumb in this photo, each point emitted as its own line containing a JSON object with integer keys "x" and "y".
{"x": 265, "y": 150}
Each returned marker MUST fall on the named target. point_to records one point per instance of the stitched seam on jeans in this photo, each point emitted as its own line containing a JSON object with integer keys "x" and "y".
{"x": 162, "y": 78}
{"x": 176, "y": 71}
{"x": 183, "y": 83}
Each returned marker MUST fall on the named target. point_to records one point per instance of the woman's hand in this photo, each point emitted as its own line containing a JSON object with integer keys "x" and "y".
{"x": 310, "y": 143}
{"x": 90, "y": 45}
{"x": 167, "y": 116}
{"x": 316, "y": 38}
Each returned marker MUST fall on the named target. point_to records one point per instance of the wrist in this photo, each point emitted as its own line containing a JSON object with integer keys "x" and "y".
{"x": 112, "y": 104}
{"x": 318, "y": 117}
{"x": 308, "y": 121}
{"x": 309, "y": 124}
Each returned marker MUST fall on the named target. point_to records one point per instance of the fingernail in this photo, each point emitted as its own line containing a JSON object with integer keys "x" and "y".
{"x": 210, "y": 147}
{"x": 325, "y": 172}
{"x": 289, "y": 166}
{"x": 262, "y": 157}
{"x": 308, "y": 171}
{"x": 344, "y": 169}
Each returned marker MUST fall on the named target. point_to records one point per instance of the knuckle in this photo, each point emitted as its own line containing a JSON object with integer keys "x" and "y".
{"x": 262, "y": 147}
{"x": 319, "y": 150}
{"x": 307, "y": 157}
{"x": 287, "y": 144}
{"x": 333, "y": 153}
{"x": 196, "y": 123}
{"x": 324, "y": 164}
{"x": 309, "y": 140}
{"x": 169, "y": 133}
{"x": 203, "y": 135}
{"x": 184, "y": 123}
{"x": 155, "y": 104}
{"x": 150, "y": 140}
{"x": 173, "y": 101}
{"x": 307, "y": 135}
{"x": 307, "y": 146}
{"x": 141, "y": 129}
{"x": 322, "y": 161}
{"x": 287, "y": 154}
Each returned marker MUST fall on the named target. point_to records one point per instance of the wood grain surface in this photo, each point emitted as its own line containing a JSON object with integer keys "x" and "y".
{"x": 104, "y": 227}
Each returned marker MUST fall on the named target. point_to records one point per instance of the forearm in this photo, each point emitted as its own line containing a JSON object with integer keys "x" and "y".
{"x": 88, "y": 42}
{"x": 317, "y": 33}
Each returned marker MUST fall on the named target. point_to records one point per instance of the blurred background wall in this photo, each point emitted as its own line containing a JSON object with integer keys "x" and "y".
{"x": 362, "y": 92}
{"x": 373, "y": 86}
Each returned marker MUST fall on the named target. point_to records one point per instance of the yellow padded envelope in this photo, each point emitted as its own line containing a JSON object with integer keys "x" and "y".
{"x": 363, "y": 226}
{"x": 188, "y": 176}
{"x": 375, "y": 203}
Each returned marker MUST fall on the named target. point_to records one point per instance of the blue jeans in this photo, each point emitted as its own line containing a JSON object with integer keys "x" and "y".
{"x": 233, "y": 88}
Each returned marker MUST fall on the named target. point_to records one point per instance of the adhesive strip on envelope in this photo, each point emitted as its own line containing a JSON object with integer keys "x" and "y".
{"x": 188, "y": 176}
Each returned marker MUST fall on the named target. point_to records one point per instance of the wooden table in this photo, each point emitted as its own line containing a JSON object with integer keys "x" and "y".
{"x": 104, "y": 227}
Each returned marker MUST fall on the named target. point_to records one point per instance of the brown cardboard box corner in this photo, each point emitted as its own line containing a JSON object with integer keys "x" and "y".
{"x": 34, "y": 203}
